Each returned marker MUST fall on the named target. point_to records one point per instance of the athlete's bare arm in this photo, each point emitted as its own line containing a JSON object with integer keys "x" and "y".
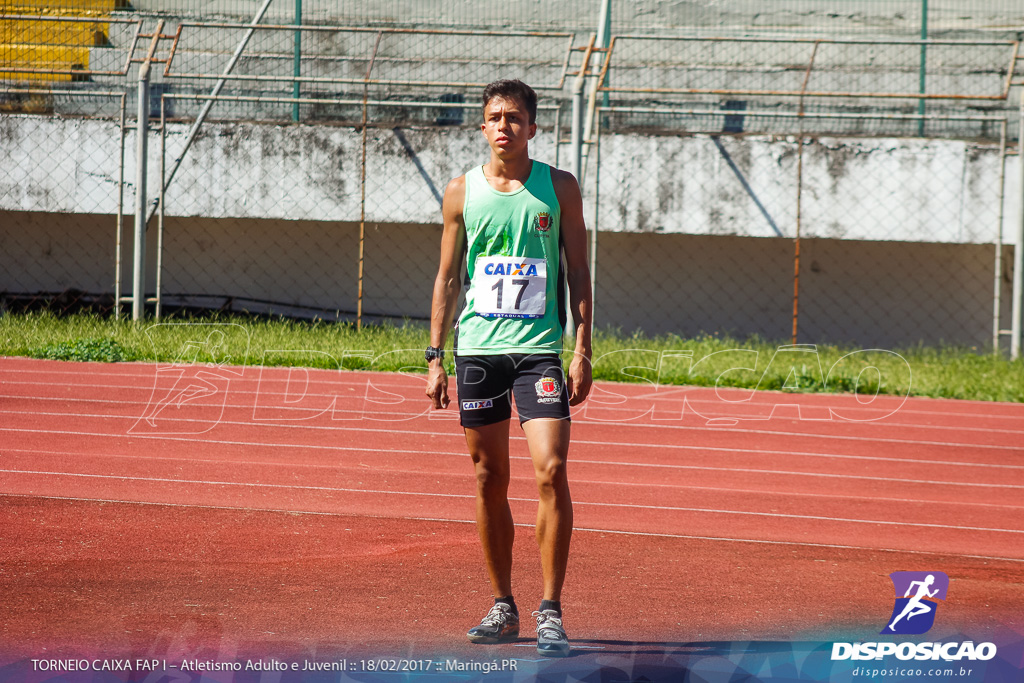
{"x": 581, "y": 299}
{"x": 446, "y": 286}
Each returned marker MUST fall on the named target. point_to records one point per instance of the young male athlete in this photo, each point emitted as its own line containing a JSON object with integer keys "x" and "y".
{"x": 513, "y": 219}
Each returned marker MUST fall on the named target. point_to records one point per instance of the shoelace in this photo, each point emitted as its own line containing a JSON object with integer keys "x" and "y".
{"x": 549, "y": 626}
{"x": 496, "y": 616}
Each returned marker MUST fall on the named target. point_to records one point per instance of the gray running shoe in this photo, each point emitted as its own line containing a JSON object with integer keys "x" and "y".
{"x": 500, "y": 624}
{"x": 551, "y": 640}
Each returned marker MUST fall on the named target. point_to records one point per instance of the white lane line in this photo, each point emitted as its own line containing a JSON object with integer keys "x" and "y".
{"x": 386, "y": 492}
{"x": 627, "y": 465}
{"x": 149, "y": 368}
{"x": 232, "y": 379}
{"x": 518, "y": 524}
{"x": 399, "y": 416}
{"x": 166, "y": 480}
{"x": 724, "y": 416}
{"x": 433, "y": 473}
{"x": 370, "y": 378}
{"x": 582, "y": 420}
{"x": 798, "y": 543}
{"x": 227, "y": 406}
{"x": 804, "y": 435}
{"x": 804, "y": 422}
{"x": 258, "y": 463}
{"x": 363, "y": 449}
{"x": 628, "y": 444}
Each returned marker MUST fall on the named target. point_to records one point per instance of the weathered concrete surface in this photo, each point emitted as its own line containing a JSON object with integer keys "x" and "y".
{"x": 864, "y": 189}
{"x": 59, "y": 165}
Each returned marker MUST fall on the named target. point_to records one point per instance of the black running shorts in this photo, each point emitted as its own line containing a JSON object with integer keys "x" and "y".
{"x": 486, "y": 385}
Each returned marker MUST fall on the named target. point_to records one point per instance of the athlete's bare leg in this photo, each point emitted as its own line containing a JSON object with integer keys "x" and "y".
{"x": 488, "y": 447}
{"x": 549, "y": 447}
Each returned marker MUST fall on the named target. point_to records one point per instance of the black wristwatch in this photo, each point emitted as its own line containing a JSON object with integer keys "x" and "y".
{"x": 433, "y": 352}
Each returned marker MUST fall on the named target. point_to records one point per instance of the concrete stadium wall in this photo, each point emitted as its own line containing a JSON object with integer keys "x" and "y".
{"x": 872, "y": 294}
{"x": 54, "y": 252}
{"x": 853, "y": 188}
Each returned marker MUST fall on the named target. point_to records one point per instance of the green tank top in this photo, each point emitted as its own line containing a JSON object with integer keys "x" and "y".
{"x": 515, "y": 302}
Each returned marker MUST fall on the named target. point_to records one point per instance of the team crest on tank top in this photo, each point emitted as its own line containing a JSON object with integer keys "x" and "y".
{"x": 542, "y": 222}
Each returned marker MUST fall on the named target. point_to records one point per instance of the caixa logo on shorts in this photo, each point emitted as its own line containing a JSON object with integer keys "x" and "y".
{"x": 477, "y": 405}
{"x": 916, "y": 594}
{"x": 548, "y": 390}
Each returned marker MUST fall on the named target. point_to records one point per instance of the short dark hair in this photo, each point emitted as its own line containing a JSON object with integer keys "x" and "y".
{"x": 513, "y": 88}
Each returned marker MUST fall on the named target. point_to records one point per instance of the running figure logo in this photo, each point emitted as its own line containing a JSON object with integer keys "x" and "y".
{"x": 190, "y": 394}
{"x": 914, "y": 611}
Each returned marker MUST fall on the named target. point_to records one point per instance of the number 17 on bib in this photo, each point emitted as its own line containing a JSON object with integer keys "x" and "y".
{"x": 508, "y": 287}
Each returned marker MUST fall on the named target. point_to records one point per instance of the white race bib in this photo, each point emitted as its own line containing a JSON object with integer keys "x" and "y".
{"x": 510, "y": 287}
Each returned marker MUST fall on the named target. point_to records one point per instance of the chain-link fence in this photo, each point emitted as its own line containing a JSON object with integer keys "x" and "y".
{"x": 789, "y": 188}
{"x": 62, "y": 199}
{"x": 333, "y": 222}
{"x": 870, "y": 241}
{"x": 823, "y": 17}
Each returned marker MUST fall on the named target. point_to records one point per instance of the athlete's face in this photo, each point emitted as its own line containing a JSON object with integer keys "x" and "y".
{"x": 507, "y": 126}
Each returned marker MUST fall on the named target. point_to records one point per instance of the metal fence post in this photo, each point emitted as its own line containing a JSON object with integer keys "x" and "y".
{"x": 1018, "y": 247}
{"x": 576, "y": 130}
{"x": 576, "y": 136}
{"x": 120, "y": 210}
{"x": 297, "y": 66}
{"x": 160, "y": 211}
{"x": 141, "y": 162}
{"x": 796, "y": 237}
{"x": 997, "y": 285}
{"x": 141, "y": 159}
{"x": 922, "y": 68}
{"x": 593, "y": 229}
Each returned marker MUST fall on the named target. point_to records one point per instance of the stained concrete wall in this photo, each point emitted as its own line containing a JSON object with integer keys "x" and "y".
{"x": 851, "y": 188}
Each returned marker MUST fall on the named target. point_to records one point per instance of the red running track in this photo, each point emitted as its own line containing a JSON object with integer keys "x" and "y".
{"x": 174, "y": 509}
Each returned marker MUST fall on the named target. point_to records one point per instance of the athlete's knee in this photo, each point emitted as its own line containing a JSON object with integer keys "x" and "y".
{"x": 552, "y": 478}
{"x": 491, "y": 481}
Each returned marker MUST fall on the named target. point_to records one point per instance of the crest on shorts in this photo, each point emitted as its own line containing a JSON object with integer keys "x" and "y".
{"x": 542, "y": 221}
{"x": 547, "y": 387}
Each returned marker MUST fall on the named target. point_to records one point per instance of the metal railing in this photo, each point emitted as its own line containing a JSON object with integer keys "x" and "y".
{"x": 386, "y": 57}
{"x": 796, "y": 66}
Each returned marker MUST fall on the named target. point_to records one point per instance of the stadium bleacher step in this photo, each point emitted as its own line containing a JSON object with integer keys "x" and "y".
{"x": 69, "y": 7}
{"x": 44, "y": 57}
{"x": 41, "y": 32}
{"x": 41, "y": 44}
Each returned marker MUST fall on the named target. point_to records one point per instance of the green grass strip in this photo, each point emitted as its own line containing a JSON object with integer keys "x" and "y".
{"x": 709, "y": 360}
